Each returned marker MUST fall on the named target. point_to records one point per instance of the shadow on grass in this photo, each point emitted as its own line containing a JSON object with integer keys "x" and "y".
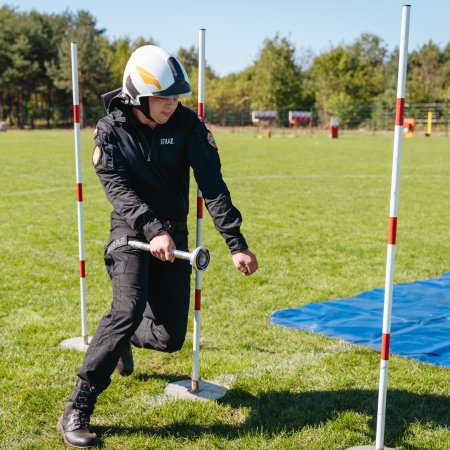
{"x": 274, "y": 412}
{"x": 144, "y": 376}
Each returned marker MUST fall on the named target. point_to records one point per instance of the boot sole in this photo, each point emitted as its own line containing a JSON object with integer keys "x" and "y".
{"x": 60, "y": 430}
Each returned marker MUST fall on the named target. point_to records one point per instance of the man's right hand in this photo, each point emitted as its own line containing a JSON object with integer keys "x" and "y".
{"x": 161, "y": 247}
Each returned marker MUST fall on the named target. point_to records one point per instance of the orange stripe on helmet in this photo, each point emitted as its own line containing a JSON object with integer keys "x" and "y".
{"x": 148, "y": 77}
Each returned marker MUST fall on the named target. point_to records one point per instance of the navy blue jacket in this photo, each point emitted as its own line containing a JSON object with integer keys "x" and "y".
{"x": 145, "y": 173}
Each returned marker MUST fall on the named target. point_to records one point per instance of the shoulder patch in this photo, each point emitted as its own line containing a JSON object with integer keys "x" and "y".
{"x": 97, "y": 156}
{"x": 95, "y": 133}
{"x": 211, "y": 140}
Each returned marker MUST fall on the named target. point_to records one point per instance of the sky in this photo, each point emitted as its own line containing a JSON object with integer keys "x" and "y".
{"x": 236, "y": 29}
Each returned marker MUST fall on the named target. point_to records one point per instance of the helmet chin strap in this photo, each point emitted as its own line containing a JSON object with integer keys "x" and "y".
{"x": 144, "y": 107}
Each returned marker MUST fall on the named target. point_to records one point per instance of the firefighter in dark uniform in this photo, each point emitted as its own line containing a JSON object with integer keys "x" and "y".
{"x": 144, "y": 149}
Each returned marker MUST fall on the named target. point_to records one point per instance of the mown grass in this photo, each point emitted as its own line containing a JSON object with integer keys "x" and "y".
{"x": 315, "y": 213}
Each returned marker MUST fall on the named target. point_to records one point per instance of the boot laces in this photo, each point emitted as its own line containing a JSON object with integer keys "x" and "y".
{"x": 84, "y": 404}
{"x": 81, "y": 419}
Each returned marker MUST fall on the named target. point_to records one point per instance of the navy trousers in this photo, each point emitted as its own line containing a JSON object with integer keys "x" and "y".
{"x": 149, "y": 308}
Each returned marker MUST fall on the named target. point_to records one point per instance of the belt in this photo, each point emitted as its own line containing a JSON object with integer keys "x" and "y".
{"x": 173, "y": 225}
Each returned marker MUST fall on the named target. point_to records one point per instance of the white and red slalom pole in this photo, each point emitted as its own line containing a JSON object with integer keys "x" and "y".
{"x": 76, "y": 127}
{"x": 387, "y": 314}
{"x": 199, "y": 238}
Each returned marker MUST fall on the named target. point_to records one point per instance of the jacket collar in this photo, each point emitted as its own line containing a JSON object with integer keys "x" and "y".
{"x": 112, "y": 100}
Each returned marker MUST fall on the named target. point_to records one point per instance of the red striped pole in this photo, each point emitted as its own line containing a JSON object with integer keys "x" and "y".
{"x": 76, "y": 126}
{"x": 392, "y": 232}
{"x": 198, "y": 275}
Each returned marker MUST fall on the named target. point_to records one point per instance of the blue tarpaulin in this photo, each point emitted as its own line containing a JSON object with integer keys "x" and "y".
{"x": 420, "y": 327}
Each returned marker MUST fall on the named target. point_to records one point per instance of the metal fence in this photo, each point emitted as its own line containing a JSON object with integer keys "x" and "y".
{"x": 376, "y": 116}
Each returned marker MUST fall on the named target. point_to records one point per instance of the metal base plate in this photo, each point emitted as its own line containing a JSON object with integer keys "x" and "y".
{"x": 207, "y": 390}
{"x": 368, "y": 447}
{"x": 77, "y": 343}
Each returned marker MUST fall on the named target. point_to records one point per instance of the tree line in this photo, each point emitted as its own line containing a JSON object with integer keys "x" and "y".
{"x": 36, "y": 84}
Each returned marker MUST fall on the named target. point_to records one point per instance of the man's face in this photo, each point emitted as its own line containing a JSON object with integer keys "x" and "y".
{"x": 161, "y": 108}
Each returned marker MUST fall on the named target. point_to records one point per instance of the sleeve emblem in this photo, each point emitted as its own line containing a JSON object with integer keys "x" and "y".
{"x": 97, "y": 156}
{"x": 211, "y": 140}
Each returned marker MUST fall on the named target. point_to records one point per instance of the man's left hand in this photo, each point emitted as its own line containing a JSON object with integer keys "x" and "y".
{"x": 245, "y": 262}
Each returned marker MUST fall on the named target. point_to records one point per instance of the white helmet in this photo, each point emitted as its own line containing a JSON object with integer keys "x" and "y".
{"x": 151, "y": 71}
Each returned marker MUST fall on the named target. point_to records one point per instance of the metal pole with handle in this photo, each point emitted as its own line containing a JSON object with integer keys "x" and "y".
{"x": 198, "y": 258}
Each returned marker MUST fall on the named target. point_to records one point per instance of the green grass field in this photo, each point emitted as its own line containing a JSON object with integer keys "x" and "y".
{"x": 316, "y": 215}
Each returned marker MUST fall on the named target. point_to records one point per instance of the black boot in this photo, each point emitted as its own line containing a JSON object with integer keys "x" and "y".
{"x": 74, "y": 422}
{"x": 125, "y": 365}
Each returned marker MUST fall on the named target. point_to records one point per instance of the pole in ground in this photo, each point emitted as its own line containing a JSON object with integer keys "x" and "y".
{"x": 79, "y": 343}
{"x": 194, "y": 389}
{"x": 392, "y": 232}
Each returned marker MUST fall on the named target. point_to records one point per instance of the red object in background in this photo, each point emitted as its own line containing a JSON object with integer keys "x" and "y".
{"x": 269, "y": 133}
{"x": 408, "y": 127}
{"x": 300, "y": 117}
{"x": 333, "y": 127}
{"x": 334, "y": 132}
